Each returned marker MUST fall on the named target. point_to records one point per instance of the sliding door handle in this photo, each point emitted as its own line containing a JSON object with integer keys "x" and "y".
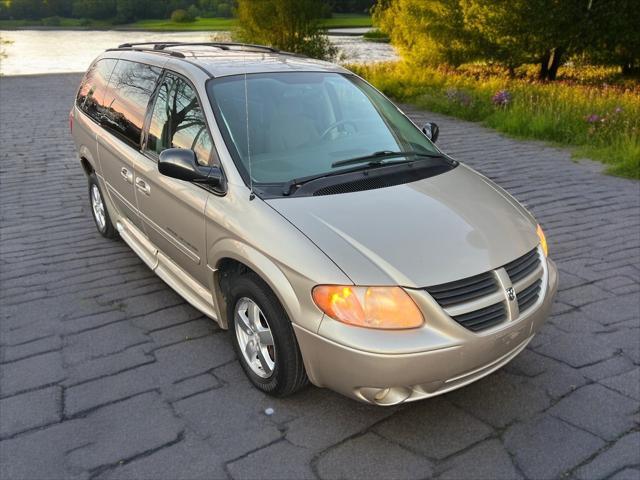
{"x": 126, "y": 174}
{"x": 143, "y": 186}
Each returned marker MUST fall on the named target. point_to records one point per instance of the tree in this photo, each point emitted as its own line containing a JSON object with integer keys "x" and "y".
{"x": 427, "y": 31}
{"x": 96, "y": 9}
{"x": 291, "y": 25}
{"x": 514, "y": 32}
{"x": 613, "y": 36}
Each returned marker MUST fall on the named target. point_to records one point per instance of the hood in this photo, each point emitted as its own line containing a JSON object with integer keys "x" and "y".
{"x": 433, "y": 231}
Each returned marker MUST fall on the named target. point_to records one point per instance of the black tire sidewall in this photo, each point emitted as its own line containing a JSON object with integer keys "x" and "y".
{"x": 286, "y": 346}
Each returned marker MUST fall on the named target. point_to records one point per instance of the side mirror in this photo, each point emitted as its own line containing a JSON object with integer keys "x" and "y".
{"x": 181, "y": 163}
{"x": 431, "y": 131}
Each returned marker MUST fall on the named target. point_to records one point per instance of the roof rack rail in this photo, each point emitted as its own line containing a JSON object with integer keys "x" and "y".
{"x": 151, "y": 50}
{"x": 221, "y": 45}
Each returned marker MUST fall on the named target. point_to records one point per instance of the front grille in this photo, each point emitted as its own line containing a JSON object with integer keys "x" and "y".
{"x": 465, "y": 290}
{"x": 528, "y": 296}
{"x": 483, "y": 318}
{"x": 523, "y": 266}
{"x": 457, "y": 298}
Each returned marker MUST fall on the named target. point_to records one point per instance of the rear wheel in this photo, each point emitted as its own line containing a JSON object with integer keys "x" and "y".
{"x": 263, "y": 337}
{"x": 99, "y": 209}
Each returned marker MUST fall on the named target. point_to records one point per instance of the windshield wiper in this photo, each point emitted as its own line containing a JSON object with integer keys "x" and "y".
{"x": 381, "y": 156}
{"x": 372, "y": 161}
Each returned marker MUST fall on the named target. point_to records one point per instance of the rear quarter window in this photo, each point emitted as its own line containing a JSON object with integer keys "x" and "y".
{"x": 125, "y": 102}
{"x": 90, "y": 96}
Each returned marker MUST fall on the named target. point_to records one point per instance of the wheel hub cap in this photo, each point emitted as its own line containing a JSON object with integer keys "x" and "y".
{"x": 254, "y": 337}
{"x": 98, "y": 207}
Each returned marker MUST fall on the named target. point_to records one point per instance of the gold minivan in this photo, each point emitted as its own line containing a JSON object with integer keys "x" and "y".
{"x": 295, "y": 205}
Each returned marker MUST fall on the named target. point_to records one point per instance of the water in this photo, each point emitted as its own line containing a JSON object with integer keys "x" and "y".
{"x": 60, "y": 51}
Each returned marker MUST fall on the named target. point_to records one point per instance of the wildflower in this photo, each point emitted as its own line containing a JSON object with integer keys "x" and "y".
{"x": 452, "y": 94}
{"x": 618, "y": 109}
{"x": 593, "y": 118}
{"x": 501, "y": 98}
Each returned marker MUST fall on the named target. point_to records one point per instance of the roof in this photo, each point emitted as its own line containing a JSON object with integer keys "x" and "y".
{"x": 224, "y": 59}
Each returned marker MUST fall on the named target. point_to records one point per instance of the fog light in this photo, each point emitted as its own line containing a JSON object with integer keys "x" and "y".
{"x": 381, "y": 394}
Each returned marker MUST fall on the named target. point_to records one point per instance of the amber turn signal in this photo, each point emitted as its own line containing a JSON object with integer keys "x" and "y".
{"x": 373, "y": 307}
{"x": 543, "y": 240}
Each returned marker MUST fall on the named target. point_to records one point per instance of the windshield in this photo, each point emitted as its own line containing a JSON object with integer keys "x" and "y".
{"x": 284, "y": 126}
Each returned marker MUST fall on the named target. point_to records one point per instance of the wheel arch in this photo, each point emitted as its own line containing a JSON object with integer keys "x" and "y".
{"x": 235, "y": 257}
{"x": 87, "y": 161}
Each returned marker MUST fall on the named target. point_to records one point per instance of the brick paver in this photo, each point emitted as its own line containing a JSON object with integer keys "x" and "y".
{"x": 106, "y": 372}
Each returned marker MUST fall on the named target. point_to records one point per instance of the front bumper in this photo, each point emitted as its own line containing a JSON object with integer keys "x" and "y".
{"x": 395, "y": 371}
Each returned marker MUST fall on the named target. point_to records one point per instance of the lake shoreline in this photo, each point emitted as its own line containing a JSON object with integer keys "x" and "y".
{"x": 333, "y": 31}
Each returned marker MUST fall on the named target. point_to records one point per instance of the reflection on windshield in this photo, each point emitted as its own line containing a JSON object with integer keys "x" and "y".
{"x": 299, "y": 124}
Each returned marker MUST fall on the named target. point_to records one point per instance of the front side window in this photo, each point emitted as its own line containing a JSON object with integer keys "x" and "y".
{"x": 291, "y": 125}
{"x": 178, "y": 121}
{"x": 92, "y": 89}
{"x": 126, "y": 100}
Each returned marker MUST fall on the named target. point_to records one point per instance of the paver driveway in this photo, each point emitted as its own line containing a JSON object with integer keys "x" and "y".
{"x": 107, "y": 373}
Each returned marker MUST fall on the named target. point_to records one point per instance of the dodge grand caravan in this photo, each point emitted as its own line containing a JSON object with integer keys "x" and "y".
{"x": 295, "y": 205}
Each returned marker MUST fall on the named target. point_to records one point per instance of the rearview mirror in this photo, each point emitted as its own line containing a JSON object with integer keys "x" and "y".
{"x": 181, "y": 163}
{"x": 431, "y": 131}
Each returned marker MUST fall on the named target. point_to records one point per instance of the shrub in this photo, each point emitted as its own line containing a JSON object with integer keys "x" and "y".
{"x": 291, "y": 25}
{"x": 181, "y": 16}
{"x": 224, "y": 10}
{"x": 602, "y": 121}
{"x": 51, "y": 21}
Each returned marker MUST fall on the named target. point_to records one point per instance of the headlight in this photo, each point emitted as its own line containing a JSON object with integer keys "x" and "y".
{"x": 373, "y": 307}
{"x": 543, "y": 240}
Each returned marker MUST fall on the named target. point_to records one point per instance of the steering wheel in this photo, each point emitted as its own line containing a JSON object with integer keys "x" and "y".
{"x": 337, "y": 124}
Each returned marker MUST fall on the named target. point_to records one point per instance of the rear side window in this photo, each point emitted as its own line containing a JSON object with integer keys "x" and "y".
{"x": 178, "y": 121}
{"x": 91, "y": 93}
{"x": 126, "y": 100}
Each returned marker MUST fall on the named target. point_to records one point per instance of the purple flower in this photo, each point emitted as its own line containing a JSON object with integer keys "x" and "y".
{"x": 617, "y": 110}
{"x": 593, "y": 118}
{"x": 501, "y": 98}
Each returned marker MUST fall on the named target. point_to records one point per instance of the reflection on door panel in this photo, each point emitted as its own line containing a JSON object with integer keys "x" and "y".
{"x": 124, "y": 104}
{"x": 173, "y": 210}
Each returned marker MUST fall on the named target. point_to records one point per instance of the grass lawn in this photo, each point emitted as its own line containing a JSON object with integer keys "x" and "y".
{"x": 593, "y": 110}
{"x": 211, "y": 24}
{"x": 165, "y": 24}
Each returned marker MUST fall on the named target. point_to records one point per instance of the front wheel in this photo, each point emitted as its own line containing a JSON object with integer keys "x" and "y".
{"x": 263, "y": 337}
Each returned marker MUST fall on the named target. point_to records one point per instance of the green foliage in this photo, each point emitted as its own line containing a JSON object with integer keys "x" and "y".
{"x": 182, "y": 16}
{"x": 51, "y": 21}
{"x": 426, "y": 32}
{"x": 601, "y": 123}
{"x": 291, "y": 25}
{"x": 96, "y": 9}
{"x": 513, "y": 32}
{"x": 375, "y": 35}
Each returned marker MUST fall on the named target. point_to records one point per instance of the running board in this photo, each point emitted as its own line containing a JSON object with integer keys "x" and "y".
{"x": 183, "y": 283}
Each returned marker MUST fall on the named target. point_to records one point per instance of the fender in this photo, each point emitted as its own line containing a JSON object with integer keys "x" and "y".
{"x": 267, "y": 269}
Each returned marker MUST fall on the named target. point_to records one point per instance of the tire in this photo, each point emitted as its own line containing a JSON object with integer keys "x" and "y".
{"x": 99, "y": 210}
{"x": 287, "y": 373}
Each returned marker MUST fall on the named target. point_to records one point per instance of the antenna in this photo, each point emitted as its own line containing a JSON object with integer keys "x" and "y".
{"x": 252, "y": 195}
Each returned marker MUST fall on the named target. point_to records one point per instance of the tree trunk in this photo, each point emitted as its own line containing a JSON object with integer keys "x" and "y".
{"x": 544, "y": 66}
{"x": 555, "y": 63}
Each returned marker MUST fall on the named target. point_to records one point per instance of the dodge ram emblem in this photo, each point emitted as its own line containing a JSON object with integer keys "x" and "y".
{"x": 511, "y": 294}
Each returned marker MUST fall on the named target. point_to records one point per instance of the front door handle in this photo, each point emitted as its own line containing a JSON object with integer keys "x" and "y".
{"x": 143, "y": 186}
{"x": 126, "y": 174}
